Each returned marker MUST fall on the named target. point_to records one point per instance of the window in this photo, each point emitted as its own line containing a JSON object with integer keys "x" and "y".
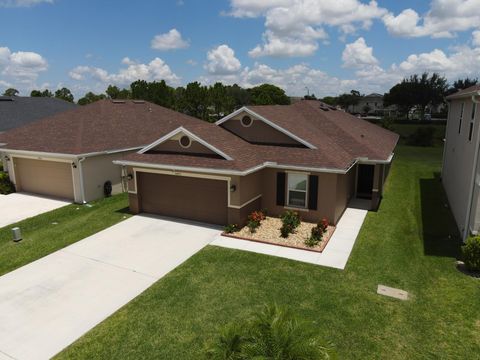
{"x": 246, "y": 121}
{"x": 297, "y": 190}
{"x": 185, "y": 141}
{"x": 461, "y": 117}
{"x": 470, "y": 133}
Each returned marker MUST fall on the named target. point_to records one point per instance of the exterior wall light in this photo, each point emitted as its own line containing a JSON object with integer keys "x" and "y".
{"x": 74, "y": 165}
{"x": 233, "y": 188}
{"x": 129, "y": 177}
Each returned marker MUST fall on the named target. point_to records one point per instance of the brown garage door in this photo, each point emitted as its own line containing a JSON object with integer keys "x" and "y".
{"x": 190, "y": 198}
{"x": 49, "y": 178}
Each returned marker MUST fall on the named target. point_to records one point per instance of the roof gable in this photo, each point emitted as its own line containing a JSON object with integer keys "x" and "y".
{"x": 268, "y": 122}
{"x": 176, "y": 135}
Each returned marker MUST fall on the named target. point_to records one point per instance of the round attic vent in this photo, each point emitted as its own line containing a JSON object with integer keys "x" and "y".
{"x": 246, "y": 121}
{"x": 185, "y": 141}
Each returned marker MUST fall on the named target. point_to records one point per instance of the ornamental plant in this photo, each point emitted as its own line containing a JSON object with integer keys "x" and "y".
{"x": 317, "y": 233}
{"x": 290, "y": 221}
{"x": 254, "y": 220}
{"x": 231, "y": 228}
{"x": 471, "y": 253}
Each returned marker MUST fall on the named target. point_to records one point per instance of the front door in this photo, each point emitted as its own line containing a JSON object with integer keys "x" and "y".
{"x": 365, "y": 181}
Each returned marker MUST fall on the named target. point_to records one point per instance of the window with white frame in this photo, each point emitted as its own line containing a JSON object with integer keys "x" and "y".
{"x": 297, "y": 190}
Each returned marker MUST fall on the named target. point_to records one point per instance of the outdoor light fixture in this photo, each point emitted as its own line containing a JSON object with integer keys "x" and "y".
{"x": 7, "y": 158}
{"x": 233, "y": 188}
{"x": 74, "y": 165}
{"x": 129, "y": 177}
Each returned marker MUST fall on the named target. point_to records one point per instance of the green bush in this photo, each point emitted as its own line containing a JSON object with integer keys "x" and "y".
{"x": 273, "y": 333}
{"x": 6, "y": 186}
{"x": 471, "y": 253}
{"x": 230, "y": 228}
{"x": 290, "y": 221}
{"x": 423, "y": 136}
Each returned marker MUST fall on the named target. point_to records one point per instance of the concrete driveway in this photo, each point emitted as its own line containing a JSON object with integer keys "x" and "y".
{"x": 19, "y": 206}
{"x": 48, "y": 304}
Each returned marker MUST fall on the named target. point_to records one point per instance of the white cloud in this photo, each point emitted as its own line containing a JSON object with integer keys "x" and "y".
{"x": 443, "y": 20}
{"x": 22, "y": 3}
{"x": 156, "y": 69}
{"x": 358, "y": 54}
{"x": 294, "y": 27}
{"x": 169, "y": 41}
{"x": 222, "y": 61}
{"x": 476, "y": 38}
{"x": 21, "y": 69}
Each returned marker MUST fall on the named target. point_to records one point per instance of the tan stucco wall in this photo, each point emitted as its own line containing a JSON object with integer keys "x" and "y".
{"x": 345, "y": 191}
{"x": 99, "y": 169}
{"x": 458, "y": 162}
{"x": 258, "y": 132}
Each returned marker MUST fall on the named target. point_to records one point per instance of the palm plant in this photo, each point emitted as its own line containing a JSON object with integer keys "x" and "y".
{"x": 271, "y": 334}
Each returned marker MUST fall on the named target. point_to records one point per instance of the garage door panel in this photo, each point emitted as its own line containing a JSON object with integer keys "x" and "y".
{"x": 43, "y": 177}
{"x": 189, "y": 198}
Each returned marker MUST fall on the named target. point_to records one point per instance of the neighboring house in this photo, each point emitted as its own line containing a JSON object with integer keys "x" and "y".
{"x": 69, "y": 155}
{"x": 373, "y": 101}
{"x": 16, "y": 111}
{"x": 307, "y": 156}
{"x": 461, "y": 171}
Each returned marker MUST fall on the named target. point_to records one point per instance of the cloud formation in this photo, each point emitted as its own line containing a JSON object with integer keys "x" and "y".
{"x": 171, "y": 40}
{"x": 222, "y": 61}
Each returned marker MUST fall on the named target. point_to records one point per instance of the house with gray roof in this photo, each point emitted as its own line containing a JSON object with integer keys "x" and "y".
{"x": 16, "y": 111}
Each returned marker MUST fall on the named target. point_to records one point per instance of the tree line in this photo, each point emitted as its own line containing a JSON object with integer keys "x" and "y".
{"x": 204, "y": 102}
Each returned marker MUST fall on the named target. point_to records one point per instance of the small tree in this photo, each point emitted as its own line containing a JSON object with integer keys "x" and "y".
{"x": 39, "y": 93}
{"x": 10, "y": 92}
{"x": 64, "y": 94}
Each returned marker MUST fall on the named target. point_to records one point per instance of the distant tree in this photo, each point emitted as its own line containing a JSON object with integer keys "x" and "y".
{"x": 39, "y": 93}
{"x": 64, "y": 94}
{"x": 113, "y": 92}
{"x": 417, "y": 91}
{"x": 349, "y": 99}
{"x": 220, "y": 100}
{"x": 461, "y": 84}
{"x": 240, "y": 96}
{"x": 310, "y": 97}
{"x": 330, "y": 100}
{"x": 10, "y": 92}
{"x": 268, "y": 94}
{"x": 196, "y": 100}
{"x": 90, "y": 97}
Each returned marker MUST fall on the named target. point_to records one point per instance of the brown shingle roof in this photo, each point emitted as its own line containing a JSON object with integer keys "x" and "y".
{"x": 339, "y": 138}
{"x": 464, "y": 92}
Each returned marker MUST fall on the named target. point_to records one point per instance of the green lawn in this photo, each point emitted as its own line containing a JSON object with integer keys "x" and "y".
{"x": 410, "y": 243}
{"x": 51, "y": 231}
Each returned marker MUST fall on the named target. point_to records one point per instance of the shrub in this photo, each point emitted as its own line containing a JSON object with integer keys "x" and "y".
{"x": 273, "y": 333}
{"x": 6, "y": 186}
{"x": 230, "y": 228}
{"x": 317, "y": 233}
{"x": 290, "y": 221}
{"x": 254, "y": 220}
{"x": 471, "y": 253}
{"x": 423, "y": 136}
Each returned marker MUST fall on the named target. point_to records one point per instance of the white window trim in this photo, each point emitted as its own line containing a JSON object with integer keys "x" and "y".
{"x": 290, "y": 206}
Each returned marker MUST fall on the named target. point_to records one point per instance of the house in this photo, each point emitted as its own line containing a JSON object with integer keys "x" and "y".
{"x": 373, "y": 102}
{"x": 70, "y": 155}
{"x": 16, "y": 111}
{"x": 460, "y": 170}
{"x": 307, "y": 156}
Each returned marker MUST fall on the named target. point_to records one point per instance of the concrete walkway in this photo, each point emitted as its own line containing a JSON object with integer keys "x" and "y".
{"x": 335, "y": 255}
{"x": 48, "y": 304}
{"x": 20, "y": 206}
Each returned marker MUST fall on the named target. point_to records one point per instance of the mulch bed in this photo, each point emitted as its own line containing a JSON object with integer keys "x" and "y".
{"x": 269, "y": 232}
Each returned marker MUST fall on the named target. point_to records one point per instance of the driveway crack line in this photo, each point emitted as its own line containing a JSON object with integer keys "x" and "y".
{"x": 110, "y": 264}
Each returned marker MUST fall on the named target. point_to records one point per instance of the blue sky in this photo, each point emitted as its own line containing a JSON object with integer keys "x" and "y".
{"x": 329, "y": 46}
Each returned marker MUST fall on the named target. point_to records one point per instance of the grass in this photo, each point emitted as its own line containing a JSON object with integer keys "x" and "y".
{"x": 51, "y": 231}
{"x": 410, "y": 243}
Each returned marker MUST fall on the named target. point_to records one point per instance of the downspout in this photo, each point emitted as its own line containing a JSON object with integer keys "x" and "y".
{"x": 80, "y": 170}
{"x": 466, "y": 229}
